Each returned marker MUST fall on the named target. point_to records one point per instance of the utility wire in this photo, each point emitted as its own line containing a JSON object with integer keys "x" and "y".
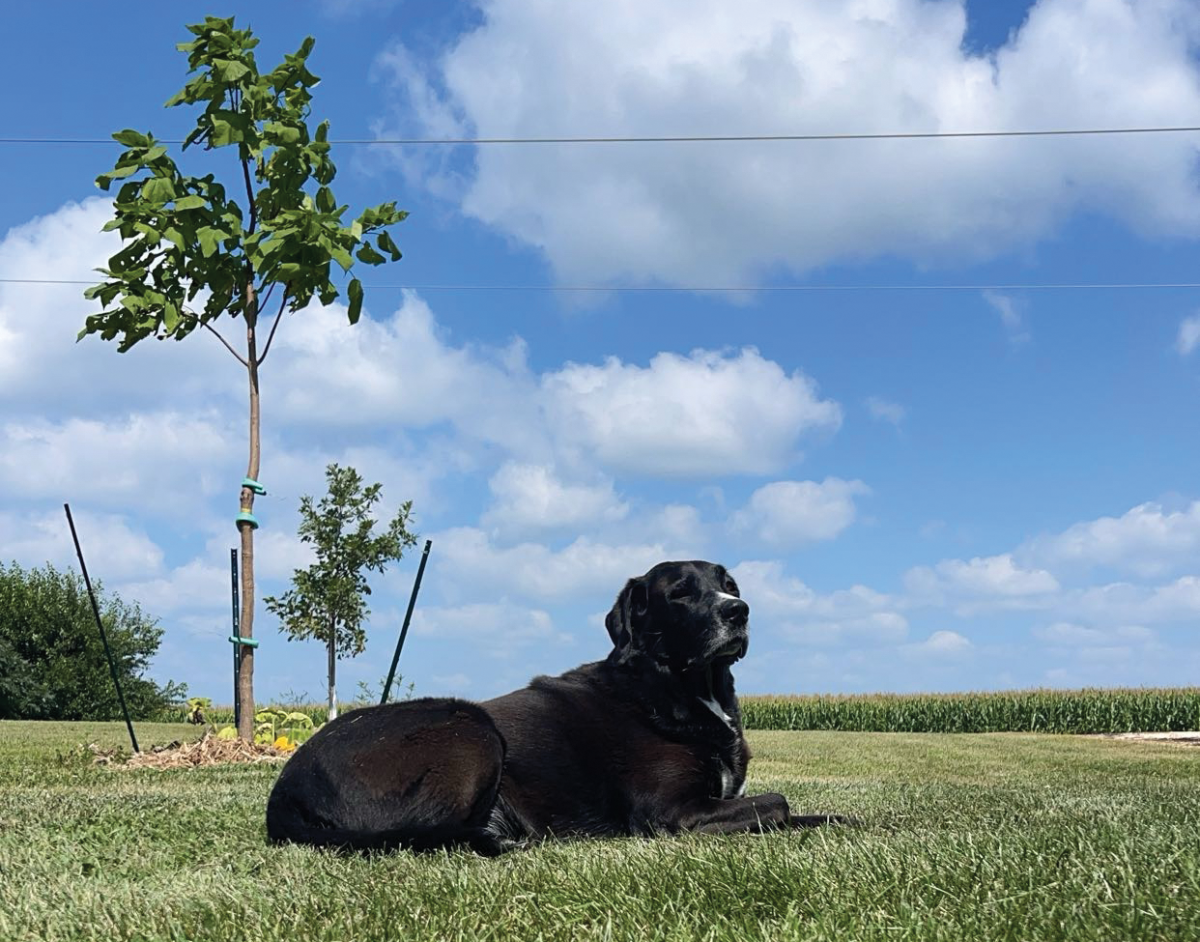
{"x": 698, "y": 289}
{"x": 681, "y": 139}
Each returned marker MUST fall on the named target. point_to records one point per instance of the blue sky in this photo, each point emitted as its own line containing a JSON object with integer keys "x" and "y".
{"x": 917, "y": 489}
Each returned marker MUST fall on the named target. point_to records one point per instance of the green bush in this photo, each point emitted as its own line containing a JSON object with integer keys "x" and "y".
{"x": 52, "y": 662}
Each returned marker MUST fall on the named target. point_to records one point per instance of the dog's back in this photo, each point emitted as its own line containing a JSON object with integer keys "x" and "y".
{"x": 416, "y": 774}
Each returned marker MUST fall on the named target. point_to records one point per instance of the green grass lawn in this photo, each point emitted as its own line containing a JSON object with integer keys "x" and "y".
{"x": 1000, "y": 836}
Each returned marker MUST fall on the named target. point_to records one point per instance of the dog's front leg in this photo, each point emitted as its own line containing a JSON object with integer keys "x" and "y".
{"x": 734, "y": 815}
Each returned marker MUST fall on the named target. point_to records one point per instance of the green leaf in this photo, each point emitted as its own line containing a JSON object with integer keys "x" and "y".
{"x": 368, "y": 255}
{"x": 119, "y": 173}
{"x": 387, "y": 245}
{"x": 191, "y": 201}
{"x": 325, "y": 201}
{"x": 341, "y": 256}
{"x": 158, "y": 190}
{"x": 131, "y": 138}
{"x": 355, "y": 293}
{"x": 209, "y": 239}
{"x": 283, "y": 133}
{"x": 227, "y": 70}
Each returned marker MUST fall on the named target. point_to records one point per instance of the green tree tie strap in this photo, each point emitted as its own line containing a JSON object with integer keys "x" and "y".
{"x": 248, "y": 642}
{"x": 246, "y": 517}
{"x": 254, "y": 486}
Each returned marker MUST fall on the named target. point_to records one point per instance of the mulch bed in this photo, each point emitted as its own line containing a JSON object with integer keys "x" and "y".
{"x": 208, "y": 750}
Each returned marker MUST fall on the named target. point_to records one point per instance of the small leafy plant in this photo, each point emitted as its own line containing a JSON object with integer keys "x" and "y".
{"x": 281, "y": 728}
{"x": 196, "y": 710}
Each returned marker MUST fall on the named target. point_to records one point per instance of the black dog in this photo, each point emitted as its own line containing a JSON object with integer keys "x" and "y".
{"x": 648, "y": 740}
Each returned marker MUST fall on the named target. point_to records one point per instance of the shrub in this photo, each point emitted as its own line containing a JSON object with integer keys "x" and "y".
{"x": 52, "y": 662}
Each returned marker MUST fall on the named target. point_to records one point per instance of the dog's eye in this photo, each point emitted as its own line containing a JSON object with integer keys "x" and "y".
{"x": 731, "y": 587}
{"x": 680, "y": 592}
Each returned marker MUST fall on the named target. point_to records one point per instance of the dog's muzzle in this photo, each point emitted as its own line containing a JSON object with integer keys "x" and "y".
{"x": 733, "y": 617}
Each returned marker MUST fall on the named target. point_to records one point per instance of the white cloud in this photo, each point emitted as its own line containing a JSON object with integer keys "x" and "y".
{"x": 885, "y": 411}
{"x": 1122, "y": 603}
{"x": 675, "y": 524}
{"x": 941, "y": 644}
{"x": 401, "y": 370}
{"x": 472, "y": 567}
{"x": 1010, "y": 316}
{"x": 1069, "y": 634}
{"x": 501, "y": 628}
{"x": 196, "y": 586}
{"x": 42, "y": 367}
{"x": 712, "y": 213}
{"x": 877, "y": 629}
{"x": 112, "y": 548}
{"x": 530, "y": 498}
{"x": 791, "y": 513}
{"x": 705, "y": 414}
{"x": 140, "y": 458}
{"x": 786, "y": 606}
{"x": 768, "y": 589}
{"x": 1147, "y": 540}
{"x": 1189, "y": 335}
{"x": 981, "y": 578}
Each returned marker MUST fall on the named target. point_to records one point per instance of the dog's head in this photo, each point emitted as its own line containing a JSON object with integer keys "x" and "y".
{"x": 682, "y": 615}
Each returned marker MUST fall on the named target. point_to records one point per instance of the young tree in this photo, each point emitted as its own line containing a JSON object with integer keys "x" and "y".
{"x": 327, "y": 600}
{"x": 194, "y": 253}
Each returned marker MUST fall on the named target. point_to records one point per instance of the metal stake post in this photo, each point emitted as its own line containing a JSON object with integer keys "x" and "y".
{"x": 387, "y": 686}
{"x": 112, "y": 665}
{"x": 237, "y": 660}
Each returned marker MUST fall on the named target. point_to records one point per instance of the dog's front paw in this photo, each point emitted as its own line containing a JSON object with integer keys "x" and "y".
{"x": 820, "y": 820}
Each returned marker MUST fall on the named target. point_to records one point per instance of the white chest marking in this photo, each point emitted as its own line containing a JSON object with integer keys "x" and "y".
{"x": 727, "y": 784}
{"x": 717, "y": 711}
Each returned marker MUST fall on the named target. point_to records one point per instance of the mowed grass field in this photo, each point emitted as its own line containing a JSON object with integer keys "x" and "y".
{"x": 965, "y": 837}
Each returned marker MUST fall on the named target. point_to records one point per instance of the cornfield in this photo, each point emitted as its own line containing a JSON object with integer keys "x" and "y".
{"x": 1044, "y": 711}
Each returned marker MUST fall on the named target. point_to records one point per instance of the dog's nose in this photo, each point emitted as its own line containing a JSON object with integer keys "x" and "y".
{"x": 735, "y": 612}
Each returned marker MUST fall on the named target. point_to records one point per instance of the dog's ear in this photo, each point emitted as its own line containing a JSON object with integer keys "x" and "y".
{"x": 628, "y": 613}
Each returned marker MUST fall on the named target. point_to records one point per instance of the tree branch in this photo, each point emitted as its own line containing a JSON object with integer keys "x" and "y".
{"x": 278, "y": 318}
{"x": 236, "y": 103}
{"x": 266, "y": 298}
{"x": 241, "y": 359}
{"x": 249, "y": 196}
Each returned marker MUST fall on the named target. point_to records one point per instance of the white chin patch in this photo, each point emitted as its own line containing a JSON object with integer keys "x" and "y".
{"x": 725, "y": 595}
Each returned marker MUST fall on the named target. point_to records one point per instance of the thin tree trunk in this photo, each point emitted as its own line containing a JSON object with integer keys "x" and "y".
{"x": 333, "y": 709}
{"x": 246, "y": 619}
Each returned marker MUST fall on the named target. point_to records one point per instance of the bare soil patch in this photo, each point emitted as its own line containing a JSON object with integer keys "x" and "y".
{"x": 1189, "y": 738}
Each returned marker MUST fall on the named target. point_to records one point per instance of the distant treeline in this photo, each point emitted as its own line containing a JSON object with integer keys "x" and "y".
{"x": 1122, "y": 710}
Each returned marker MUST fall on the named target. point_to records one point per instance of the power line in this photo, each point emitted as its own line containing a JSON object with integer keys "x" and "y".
{"x": 731, "y": 289}
{"x": 679, "y": 139}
